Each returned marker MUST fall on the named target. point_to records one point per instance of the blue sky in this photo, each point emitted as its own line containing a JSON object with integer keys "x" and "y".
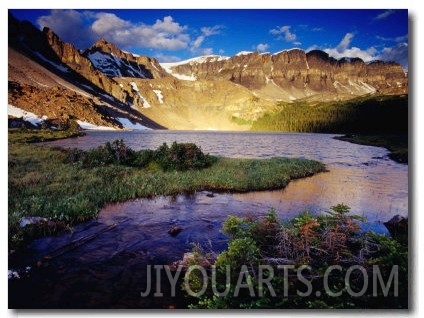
{"x": 178, "y": 34}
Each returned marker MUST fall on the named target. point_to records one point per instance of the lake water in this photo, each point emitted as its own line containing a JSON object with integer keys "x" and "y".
{"x": 109, "y": 269}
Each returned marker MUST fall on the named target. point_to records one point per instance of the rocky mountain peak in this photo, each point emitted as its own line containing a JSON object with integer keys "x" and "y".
{"x": 107, "y": 47}
{"x": 112, "y": 61}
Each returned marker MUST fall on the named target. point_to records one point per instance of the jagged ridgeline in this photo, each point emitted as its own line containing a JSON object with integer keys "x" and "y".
{"x": 291, "y": 90}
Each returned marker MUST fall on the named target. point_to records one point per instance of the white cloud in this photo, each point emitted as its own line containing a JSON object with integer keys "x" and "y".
{"x": 401, "y": 38}
{"x": 167, "y": 25}
{"x": 345, "y": 42}
{"x": 69, "y": 25}
{"x": 398, "y": 53}
{"x": 262, "y": 47}
{"x": 195, "y": 45}
{"x": 162, "y": 58}
{"x": 108, "y": 23}
{"x": 164, "y": 34}
{"x": 208, "y": 31}
{"x": 366, "y": 55}
{"x": 384, "y": 15}
{"x": 205, "y": 51}
{"x": 284, "y": 33}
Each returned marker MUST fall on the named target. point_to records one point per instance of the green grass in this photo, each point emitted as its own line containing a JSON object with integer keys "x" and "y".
{"x": 396, "y": 144}
{"x": 40, "y": 135}
{"x": 368, "y": 114}
{"x": 42, "y": 183}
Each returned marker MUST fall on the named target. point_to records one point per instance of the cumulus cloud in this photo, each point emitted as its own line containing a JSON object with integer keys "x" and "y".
{"x": 262, "y": 47}
{"x": 284, "y": 33}
{"x": 343, "y": 49}
{"x": 164, "y": 34}
{"x": 366, "y": 55}
{"x": 69, "y": 25}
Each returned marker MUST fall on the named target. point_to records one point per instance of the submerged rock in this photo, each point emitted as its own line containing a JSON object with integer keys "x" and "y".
{"x": 174, "y": 231}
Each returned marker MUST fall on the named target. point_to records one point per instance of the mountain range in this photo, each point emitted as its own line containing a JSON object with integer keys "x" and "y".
{"x": 105, "y": 87}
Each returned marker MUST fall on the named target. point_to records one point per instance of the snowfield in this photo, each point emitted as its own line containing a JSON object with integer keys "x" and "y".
{"x": 159, "y": 95}
{"x": 145, "y": 102}
{"x": 127, "y": 124}
{"x": 27, "y": 116}
{"x": 89, "y": 126}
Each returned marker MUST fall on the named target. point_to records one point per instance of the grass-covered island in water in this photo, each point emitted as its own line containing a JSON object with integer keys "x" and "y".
{"x": 64, "y": 187}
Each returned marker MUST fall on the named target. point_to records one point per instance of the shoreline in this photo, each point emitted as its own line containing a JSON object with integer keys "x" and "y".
{"x": 396, "y": 144}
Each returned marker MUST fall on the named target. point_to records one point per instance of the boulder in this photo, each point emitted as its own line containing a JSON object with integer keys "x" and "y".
{"x": 398, "y": 228}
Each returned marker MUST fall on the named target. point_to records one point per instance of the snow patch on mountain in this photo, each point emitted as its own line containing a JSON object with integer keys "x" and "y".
{"x": 159, "y": 95}
{"x": 196, "y": 60}
{"x": 114, "y": 66}
{"x": 368, "y": 87}
{"x": 89, "y": 126}
{"x": 105, "y": 63}
{"x": 27, "y": 116}
{"x": 127, "y": 124}
{"x": 135, "y": 88}
{"x": 243, "y": 53}
{"x": 287, "y": 50}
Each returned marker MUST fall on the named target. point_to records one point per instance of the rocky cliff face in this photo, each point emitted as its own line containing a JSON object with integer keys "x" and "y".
{"x": 104, "y": 84}
{"x": 312, "y": 72}
{"x": 110, "y": 60}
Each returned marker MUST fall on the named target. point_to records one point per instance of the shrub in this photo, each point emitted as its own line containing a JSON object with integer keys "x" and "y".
{"x": 315, "y": 243}
{"x": 183, "y": 156}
